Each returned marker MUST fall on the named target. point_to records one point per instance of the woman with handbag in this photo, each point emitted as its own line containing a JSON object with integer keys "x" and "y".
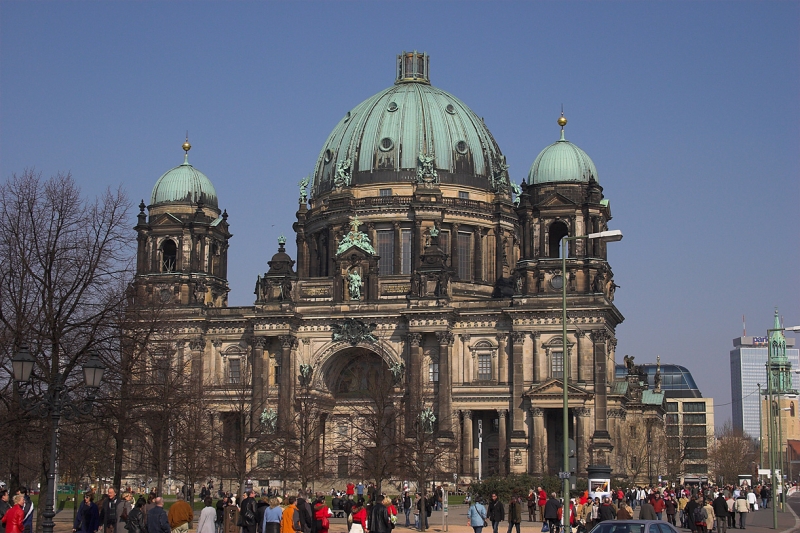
{"x": 476, "y": 516}
{"x": 322, "y": 514}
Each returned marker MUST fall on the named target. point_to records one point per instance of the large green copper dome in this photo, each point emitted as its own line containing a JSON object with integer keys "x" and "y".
{"x": 562, "y": 161}
{"x": 381, "y": 139}
{"x": 184, "y": 184}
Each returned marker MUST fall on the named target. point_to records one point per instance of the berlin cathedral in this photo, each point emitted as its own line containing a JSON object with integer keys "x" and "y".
{"x": 416, "y": 256}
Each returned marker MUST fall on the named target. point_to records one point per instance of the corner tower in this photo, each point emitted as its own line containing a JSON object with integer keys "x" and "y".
{"x": 182, "y": 254}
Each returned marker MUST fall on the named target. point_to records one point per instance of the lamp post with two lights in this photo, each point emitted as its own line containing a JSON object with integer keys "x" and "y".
{"x": 55, "y": 403}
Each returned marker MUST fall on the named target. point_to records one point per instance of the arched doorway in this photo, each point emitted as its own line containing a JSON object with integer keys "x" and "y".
{"x": 363, "y": 437}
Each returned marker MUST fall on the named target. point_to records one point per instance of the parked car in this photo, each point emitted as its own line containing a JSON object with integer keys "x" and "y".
{"x": 634, "y": 526}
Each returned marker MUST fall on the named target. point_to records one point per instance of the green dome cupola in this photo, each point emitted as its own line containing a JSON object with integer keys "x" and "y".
{"x": 184, "y": 184}
{"x": 410, "y": 129}
{"x": 562, "y": 161}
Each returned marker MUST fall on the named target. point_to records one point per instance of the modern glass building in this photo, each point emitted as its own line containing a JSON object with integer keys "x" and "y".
{"x": 748, "y": 370}
{"x": 676, "y": 380}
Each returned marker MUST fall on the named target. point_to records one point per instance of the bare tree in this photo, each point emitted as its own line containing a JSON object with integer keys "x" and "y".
{"x": 64, "y": 260}
{"x": 733, "y": 453}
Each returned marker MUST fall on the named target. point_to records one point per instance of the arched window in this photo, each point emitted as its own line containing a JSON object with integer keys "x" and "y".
{"x": 558, "y": 230}
{"x": 169, "y": 256}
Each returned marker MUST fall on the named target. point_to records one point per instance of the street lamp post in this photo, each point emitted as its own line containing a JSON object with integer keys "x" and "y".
{"x": 771, "y": 437}
{"x": 760, "y": 430}
{"x": 54, "y": 404}
{"x": 605, "y": 236}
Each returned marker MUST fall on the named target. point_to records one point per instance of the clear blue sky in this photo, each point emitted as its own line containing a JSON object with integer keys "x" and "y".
{"x": 690, "y": 112}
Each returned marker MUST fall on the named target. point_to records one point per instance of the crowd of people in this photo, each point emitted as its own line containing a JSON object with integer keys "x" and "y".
{"x": 699, "y": 509}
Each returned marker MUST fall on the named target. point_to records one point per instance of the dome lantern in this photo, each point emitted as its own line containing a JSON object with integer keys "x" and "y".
{"x": 413, "y": 67}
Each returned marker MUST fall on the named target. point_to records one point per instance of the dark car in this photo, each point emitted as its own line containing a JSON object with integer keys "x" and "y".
{"x": 633, "y": 526}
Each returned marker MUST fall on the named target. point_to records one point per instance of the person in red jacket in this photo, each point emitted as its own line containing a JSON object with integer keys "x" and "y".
{"x": 542, "y": 501}
{"x": 14, "y": 516}
{"x": 351, "y": 489}
{"x": 658, "y": 504}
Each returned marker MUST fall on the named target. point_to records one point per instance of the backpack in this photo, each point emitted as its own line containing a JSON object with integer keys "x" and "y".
{"x": 699, "y": 515}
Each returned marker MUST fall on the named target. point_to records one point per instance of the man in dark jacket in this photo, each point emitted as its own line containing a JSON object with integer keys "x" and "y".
{"x": 647, "y": 511}
{"x": 305, "y": 512}
{"x": 606, "y": 511}
{"x": 689, "y": 510}
{"x": 157, "y": 518}
{"x": 109, "y": 509}
{"x": 248, "y": 517}
{"x": 551, "y": 508}
{"x": 514, "y": 514}
{"x": 379, "y": 518}
{"x": 720, "y": 507}
{"x": 496, "y": 512}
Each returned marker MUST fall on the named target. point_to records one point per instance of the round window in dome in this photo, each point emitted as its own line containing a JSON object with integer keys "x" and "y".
{"x": 328, "y": 155}
{"x": 461, "y": 147}
{"x": 450, "y": 109}
{"x": 386, "y": 144}
{"x": 392, "y": 107}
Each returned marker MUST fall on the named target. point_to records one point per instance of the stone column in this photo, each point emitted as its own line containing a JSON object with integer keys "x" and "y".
{"x": 537, "y": 370}
{"x": 477, "y": 275}
{"x": 286, "y": 394}
{"x": 502, "y": 359}
{"x": 498, "y": 252}
{"x": 584, "y": 357}
{"x": 517, "y": 388}
{"x": 582, "y": 415}
{"x": 445, "y": 388}
{"x": 539, "y": 442}
{"x": 398, "y": 249}
{"x": 260, "y": 385}
{"x": 601, "y": 439}
{"x": 417, "y": 246}
{"x": 466, "y": 444}
{"x": 414, "y": 377}
{"x": 454, "y": 252}
{"x": 502, "y": 441}
{"x": 196, "y": 346}
{"x": 212, "y": 372}
{"x": 466, "y": 359}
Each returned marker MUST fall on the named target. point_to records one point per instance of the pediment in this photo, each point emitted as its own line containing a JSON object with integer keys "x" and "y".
{"x": 166, "y": 218}
{"x": 556, "y": 200}
{"x": 352, "y": 250}
{"x": 555, "y": 387}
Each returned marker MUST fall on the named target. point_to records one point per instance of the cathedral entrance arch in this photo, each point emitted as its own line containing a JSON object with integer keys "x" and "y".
{"x": 364, "y": 415}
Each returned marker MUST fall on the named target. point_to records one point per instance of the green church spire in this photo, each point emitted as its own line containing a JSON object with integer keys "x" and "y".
{"x": 780, "y": 369}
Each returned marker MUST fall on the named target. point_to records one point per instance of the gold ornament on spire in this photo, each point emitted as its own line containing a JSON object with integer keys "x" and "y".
{"x": 562, "y": 120}
{"x": 186, "y": 146}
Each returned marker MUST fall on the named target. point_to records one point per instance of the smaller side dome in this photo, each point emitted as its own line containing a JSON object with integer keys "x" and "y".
{"x": 184, "y": 184}
{"x": 562, "y": 161}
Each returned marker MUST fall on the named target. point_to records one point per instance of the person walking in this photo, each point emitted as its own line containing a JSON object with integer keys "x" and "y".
{"x": 27, "y": 510}
{"x": 180, "y": 515}
{"x": 671, "y": 508}
{"x": 247, "y": 512}
{"x": 14, "y": 517}
{"x": 625, "y": 512}
{"x": 532, "y": 497}
{"x": 290, "y": 518}
{"x": 87, "y": 519}
{"x": 476, "y": 516}
{"x": 4, "y": 505}
{"x": 496, "y": 512}
{"x": 407, "y": 507}
{"x": 514, "y": 514}
{"x": 710, "y": 517}
{"x": 208, "y": 517}
{"x": 272, "y": 517}
{"x": 111, "y": 511}
{"x": 541, "y": 501}
{"x": 742, "y": 507}
{"x": 136, "y": 518}
{"x": 721, "y": 513}
{"x": 322, "y": 514}
{"x": 551, "y": 508}
{"x": 157, "y": 521}
{"x": 379, "y": 521}
{"x": 359, "y": 517}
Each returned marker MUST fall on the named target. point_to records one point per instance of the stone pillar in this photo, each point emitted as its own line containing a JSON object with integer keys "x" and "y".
{"x": 398, "y": 249}
{"x": 601, "y": 439}
{"x": 286, "y": 396}
{"x": 445, "y": 387}
{"x": 539, "y": 442}
{"x": 417, "y": 246}
{"x": 517, "y": 388}
{"x": 196, "y": 346}
{"x": 502, "y": 441}
{"x": 466, "y": 359}
{"x": 260, "y": 385}
{"x": 414, "y": 377}
{"x": 454, "y": 252}
{"x": 502, "y": 359}
{"x": 466, "y": 444}
{"x": 477, "y": 237}
{"x": 582, "y": 432}
{"x": 584, "y": 358}
{"x": 537, "y": 370}
{"x": 212, "y": 373}
{"x": 498, "y": 252}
